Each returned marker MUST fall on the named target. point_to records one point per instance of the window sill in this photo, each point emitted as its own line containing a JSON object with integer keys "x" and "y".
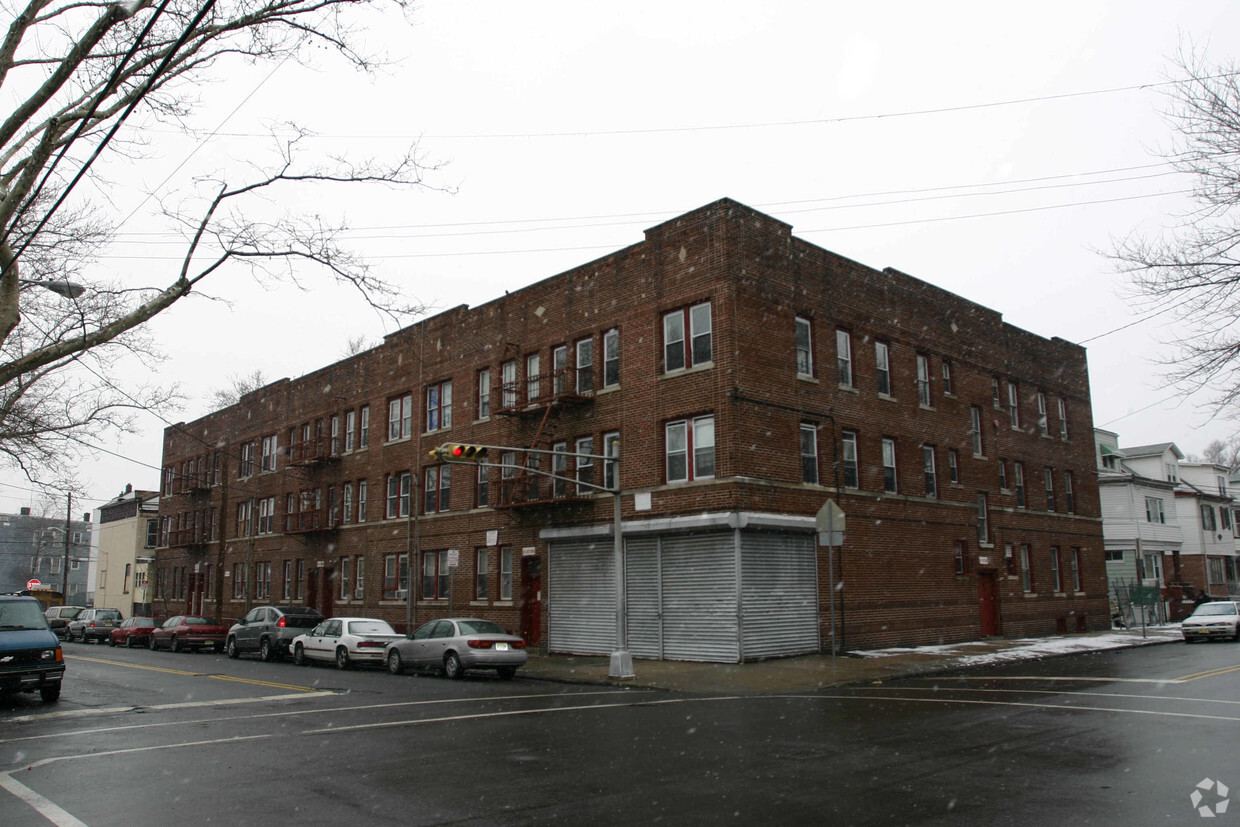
{"x": 923, "y": 406}
{"x": 886, "y": 397}
{"x": 502, "y": 604}
{"x": 805, "y": 377}
{"x": 947, "y": 395}
{"x": 668, "y": 374}
{"x": 985, "y": 545}
{"x": 1031, "y": 594}
{"x": 443, "y": 430}
{"x": 606, "y": 390}
{"x": 479, "y": 603}
{"x": 398, "y": 440}
{"x": 481, "y": 420}
{"x": 847, "y": 388}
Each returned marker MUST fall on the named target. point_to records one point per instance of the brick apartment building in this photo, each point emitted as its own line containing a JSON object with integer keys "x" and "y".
{"x": 743, "y": 377}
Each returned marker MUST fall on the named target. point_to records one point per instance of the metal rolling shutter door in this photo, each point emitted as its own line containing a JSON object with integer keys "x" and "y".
{"x": 642, "y": 595}
{"x": 779, "y": 594}
{"x": 699, "y": 598}
{"x": 581, "y": 598}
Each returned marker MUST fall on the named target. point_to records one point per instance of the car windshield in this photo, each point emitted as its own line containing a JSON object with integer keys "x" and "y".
{"x": 145, "y": 622}
{"x": 480, "y": 627}
{"x": 107, "y": 614}
{"x": 370, "y": 627}
{"x": 200, "y": 621}
{"x": 1215, "y": 609}
{"x": 21, "y": 615}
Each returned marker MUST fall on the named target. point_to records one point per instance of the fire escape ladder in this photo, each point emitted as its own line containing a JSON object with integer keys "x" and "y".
{"x": 527, "y": 486}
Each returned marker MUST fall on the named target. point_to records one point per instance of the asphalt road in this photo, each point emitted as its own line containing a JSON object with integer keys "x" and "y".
{"x": 145, "y": 738}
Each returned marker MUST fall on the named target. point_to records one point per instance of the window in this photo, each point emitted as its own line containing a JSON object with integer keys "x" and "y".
{"x": 1013, "y": 404}
{"x": 994, "y": 393}
{"x": 1207, "y": 517}
{"x": 533, "y": 378}
{"x": 843, "y": 357}
{"x": 1224, "y": 515}
{"x": 505, "y": 573}
{"x": 585, "y": 464}
{"x": 395, "y": 576}
{"x": 927, "y": 458}
{"x": 508, "y": 384}
{"x": 288, "y": 579}
{"x": 1063, "y": 419}
{"x": 611, "y": 448}
{"x": 350, "y": 428}
{"x": 687, "y": 439}
{"x": 335, "y": 434}
{"x": 953, "y": 465}
{"x": 435, "y": 576}
{"x": 1026, "y": 568}
{"x": 438, "y": 488}
{"x": 559, "y": 370}
{"x": 1003, "y": 481}
{"x": 1222, "y": 486}
{"x": 152, "y": 533}
{"x": 267, "y": 515}
{"x": 269, "y": 453}
{"x": 170, "y": 472}
{"x": 889, "y": 466}
{"x": 1056, "y": 573}
{"x": 882, "y": 361}
{"x": 923, "y": 379}
{"x": 1069, "y": 499}
{"x": 1018, "y": 480}
{"x": 687, "y": 337}
{"x": 439, "y": 406}
{"x": 611, "y": 358}
{"x": 1043, "y": 420}
{"x": 805, "y": 348}
{"x": 809, "y": 453}
{"x": 245, "y": 468}
{"x": 363, "y": 436}
{"x": 359, "y": 577}
{"x": 1009, "y": 558}
{"x": 975, "y": 430}
{"x": 344, "y": 578}
{"x": 983, "y": 519}
{"x": 483, "y": 559}
{"x": 1075, "y": 561}
{"x": 1050, "y": 489}
{"x": 400, "y": 417}
{"x": 300, "y": 583}
{"x": 346, "y": 509}
{"x": 585, "y": 366}
{"x": 238, "y": 578}
{"x": 398, "y": 495}
{"x": 848, "y": 440}
{"x": 559, "y": 467}
{"x": 243, "y": 519}
{"x": 484, "y": 393}
{"x": 483, "y": 485}
{"x": 962, "y": 553}
{"x": 361, "y": 501}
{"x": 947, "y": 379}
{"x": 1154, "y": 510}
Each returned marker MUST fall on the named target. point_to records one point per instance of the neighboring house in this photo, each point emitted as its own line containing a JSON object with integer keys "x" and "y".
{"x": 128, "y": 532}
{"x": 1208, "y": 559}
{"x": 742, "y": 378}
{"x": 34, "y": 548}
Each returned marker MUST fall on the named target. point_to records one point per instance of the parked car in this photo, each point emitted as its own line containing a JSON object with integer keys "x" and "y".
{"x": 188, "y": 632}
{"x": 30, "y": 655}
{"x": 58, "y": 618}
{"x": 456, "y": 645}
{"x": 1216, "y": 619}
{"x": 94, "y": 624}
{"x": 133, "y": 631}
{"x": 345, "y": 640}
{"x": 269, "y": 630}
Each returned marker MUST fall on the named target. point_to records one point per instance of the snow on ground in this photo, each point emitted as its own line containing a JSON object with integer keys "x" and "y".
{"x": 982, "y": 652}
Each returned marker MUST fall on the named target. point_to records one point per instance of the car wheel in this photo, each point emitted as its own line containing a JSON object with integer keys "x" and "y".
{"x": 395, "y": 666}
{"x": 129, "y": 642}
{"x": 150, "y": 643}
{"x": 342, "y": 658}
{"x": 265, "y": 651}
{"x": 175, "y": 644}
{"x": 507, "y": 673}
{"x": 452, "y": 667}
{"x": 233, "y": 651}
{"x": 111, "y": 640}
{"x": 50, "y": 692}
{"x": 299, "y": 655}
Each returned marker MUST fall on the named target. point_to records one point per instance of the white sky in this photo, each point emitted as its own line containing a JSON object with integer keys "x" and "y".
{"x": 567, "y": 128}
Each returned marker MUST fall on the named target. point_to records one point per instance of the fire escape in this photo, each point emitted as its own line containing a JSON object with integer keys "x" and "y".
{"x": 537, "y": 403}
{"x": 311, "y": 454}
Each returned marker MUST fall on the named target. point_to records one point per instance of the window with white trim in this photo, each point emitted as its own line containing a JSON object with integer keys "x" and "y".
{"x": 482, "y": 562}
{"x": 687, "y": 337}
{"x": 1063, "y": 419}
{"x": 882, "y": 362}
{"x": 852, "y": 471}
{"x": 611, "y": 448}
{"x": 400, "y": 417}
{"x": 363, "y": 435}
{"x": 889, "y": 465}
{"x": 585, "y": 464}
{"x": 270, "y": 447}
{"x": 438, "y": 488}
{"x": 350, "y": 428}
{"x": 585, "y": 366}
{"x": 975, "y": 430}
{"x": 690, "y": 449}
{"x": 505, "y": 573}
{"x": 843, "y": 357}
{"x": 809, "y": 453}
{"x": 1013, "y": 404}
{"x": 804, "y": 347}
{"x": 439, "y": 406}
{"x": 953, "y": 465}
{"x": 1044, "y": 425}
{"x": 533, "y": 377}
{"x": 484, "y": 393}
{"x": 611, "y": 358}
{"x": 923, "y": 379}
{"x": 931, "y": 474}
{"x": 436, "y": 580}
{"x": 359, "y": 577}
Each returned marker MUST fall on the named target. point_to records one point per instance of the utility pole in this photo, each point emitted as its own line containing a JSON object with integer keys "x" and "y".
{"x": 64, "y": 586}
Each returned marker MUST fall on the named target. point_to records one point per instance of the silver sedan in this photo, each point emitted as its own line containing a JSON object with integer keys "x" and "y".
{"x": 457, "y": 644}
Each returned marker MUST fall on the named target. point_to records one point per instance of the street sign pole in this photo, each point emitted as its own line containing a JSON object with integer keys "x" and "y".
{"x": 830, "y": 523}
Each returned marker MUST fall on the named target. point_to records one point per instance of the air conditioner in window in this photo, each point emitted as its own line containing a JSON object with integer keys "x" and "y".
{"x": 401, "y": 594}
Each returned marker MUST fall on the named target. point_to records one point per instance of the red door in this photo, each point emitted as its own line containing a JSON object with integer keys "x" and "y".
{"x": 531, "y": 600}
{"x": 327, "y": 603}
{"x": 988, "y": 600}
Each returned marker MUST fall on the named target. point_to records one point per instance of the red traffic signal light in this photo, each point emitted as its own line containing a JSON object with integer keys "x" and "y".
{"x": 462, "y": 452}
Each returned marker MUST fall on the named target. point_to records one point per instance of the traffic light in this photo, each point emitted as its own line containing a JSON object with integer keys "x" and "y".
{"x": 457, "y": 451}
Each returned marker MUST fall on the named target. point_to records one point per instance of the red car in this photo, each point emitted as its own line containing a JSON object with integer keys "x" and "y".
{"x": 187, "y": 632}
{"x": 136, "y": 631}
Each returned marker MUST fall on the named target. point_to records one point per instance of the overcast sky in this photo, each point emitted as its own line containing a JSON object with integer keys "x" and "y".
{"x": 995, "y": 150}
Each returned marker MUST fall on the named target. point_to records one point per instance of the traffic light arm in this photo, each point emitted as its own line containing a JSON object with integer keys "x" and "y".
{"x": 444, "y": 454}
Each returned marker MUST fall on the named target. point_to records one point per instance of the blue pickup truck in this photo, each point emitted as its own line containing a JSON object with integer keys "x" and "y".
{"x": 30, "y": 655}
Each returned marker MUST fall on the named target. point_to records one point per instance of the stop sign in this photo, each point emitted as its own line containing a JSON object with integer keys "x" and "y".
{"x": 30, "y": 584}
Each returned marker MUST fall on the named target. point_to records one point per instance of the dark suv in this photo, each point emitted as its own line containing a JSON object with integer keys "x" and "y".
{"x": 269, "y": 630}
{"x": 94, "y": 624}
{"x": 30, "y": 655}
{"x": 58, "y": 618}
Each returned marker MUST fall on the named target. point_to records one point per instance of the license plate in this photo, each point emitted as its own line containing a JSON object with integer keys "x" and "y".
{"x": 501, "y": 647}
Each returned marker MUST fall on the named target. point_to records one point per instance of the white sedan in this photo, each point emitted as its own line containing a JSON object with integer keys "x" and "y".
{"x": 345, "y": 640}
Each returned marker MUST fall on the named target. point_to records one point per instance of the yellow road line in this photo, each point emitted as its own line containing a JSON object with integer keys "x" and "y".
{"x": 195, "y": 674}
{"x": 1212, "y": 673}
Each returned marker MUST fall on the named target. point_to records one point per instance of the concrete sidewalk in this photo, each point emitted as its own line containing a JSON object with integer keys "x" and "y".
{"x": 809, "y": 672}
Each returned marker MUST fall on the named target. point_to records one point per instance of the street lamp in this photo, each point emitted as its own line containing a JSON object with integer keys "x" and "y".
{"x": 61, "y": 287}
